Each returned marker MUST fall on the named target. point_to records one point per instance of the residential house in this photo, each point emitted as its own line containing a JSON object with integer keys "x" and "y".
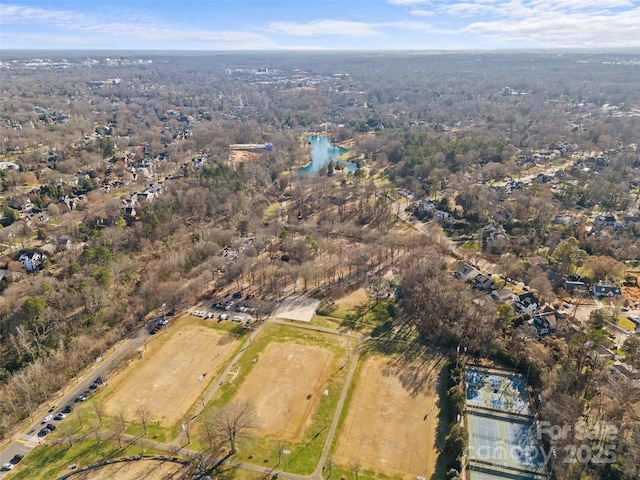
{"x": 19, "y": 202}
{"x": 556, "y": 280}
{"x": 543, "y": 178}
{"x": 604, "y": 354}
{"x": 526, "y": 303}
{"x": 601, "y": 290}
{"x": 621, "y": 372}
{"x": 494, "y": 239}
{"x": 564, "y": 220}
{"x": 502, "y": 216}
{"x": 605, "y": 221}
{"x": 545, "y": 323}
{"x": 442, "y": 215}
{"x": 574, "y": 287}
{"x": 32, "y": 260}
{"x": 466, "y": 272}
{"x": 504, "y": 295}
{"x": 631, "y": 219}
{"x": 483, "y": 282}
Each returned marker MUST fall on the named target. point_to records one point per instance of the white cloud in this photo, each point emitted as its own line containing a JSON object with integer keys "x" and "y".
{"x": 569, "y": 30}
{"x": 409, "y": 2}
{"x": 422, "y": 13}
{"x": 325, "y": 27}
{"x": 114, "y": 30}
{"x": 468, "y": 9}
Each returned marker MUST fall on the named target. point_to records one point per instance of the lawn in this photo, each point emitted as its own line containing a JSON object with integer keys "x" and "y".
{"x": 271, "y": 213}
{"x": 285, "y": 372}
{"x": 51, "y": 461}
{"x": 624, "y": 322}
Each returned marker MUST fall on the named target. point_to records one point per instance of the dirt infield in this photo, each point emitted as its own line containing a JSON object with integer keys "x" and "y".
{"x": 392, "y": 419}
{"x": 279, "y": 384}
{"x": 168, "y": 382}
{"x": 141, "y": 470}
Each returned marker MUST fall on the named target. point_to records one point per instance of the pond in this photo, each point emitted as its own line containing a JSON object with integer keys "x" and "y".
{"x": 322, "y": 152}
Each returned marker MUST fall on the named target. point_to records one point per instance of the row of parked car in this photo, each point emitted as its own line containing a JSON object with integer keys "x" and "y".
{"x": 223, "y": 316}
{"x": 13, "y": 462}
{"x": 62, "y": 414}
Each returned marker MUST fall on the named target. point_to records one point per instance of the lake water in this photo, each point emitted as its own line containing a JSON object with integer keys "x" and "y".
{"x": 322, "y": 152}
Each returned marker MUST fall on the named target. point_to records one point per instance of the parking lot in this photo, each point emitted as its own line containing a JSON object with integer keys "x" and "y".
{"x": 237, "y": 308}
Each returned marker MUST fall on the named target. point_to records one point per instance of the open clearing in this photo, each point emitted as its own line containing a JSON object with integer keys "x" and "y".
{"x": 140, "y": 470}
{"x": 301, "y": 309}
{"x": 349, "y": 302}
{"x": 278, "y": 386}
{"x": 168, "y": 382}
{"x": 392, "y": 419}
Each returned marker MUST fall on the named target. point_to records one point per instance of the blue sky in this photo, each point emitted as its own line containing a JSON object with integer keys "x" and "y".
{"x": 319, "y": 25}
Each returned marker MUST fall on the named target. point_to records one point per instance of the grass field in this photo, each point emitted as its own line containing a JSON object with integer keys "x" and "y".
{"x": 390, "y": 427}
{"x": 349, "y": 302}
{"x": 167, "y": 382}
{"x": 293, "y": 367}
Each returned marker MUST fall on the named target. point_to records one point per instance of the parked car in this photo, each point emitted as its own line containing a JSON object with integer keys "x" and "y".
{"x": 224, "y": 316}
{"x": 81, "y": 398}
{"x": 43, "y": 432}
{"x": 67, "y": 409}
{"x": 13, "y": 462}
{"x": 59, "y": 417}
{"x": 51, "y": 427}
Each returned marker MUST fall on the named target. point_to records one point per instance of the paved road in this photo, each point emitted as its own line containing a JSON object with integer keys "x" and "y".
{"x": 28, "y": 439}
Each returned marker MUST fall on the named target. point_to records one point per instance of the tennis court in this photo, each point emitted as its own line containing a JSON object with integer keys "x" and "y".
{"x": 497, "y": 390}
{"x": 502, "y": 434}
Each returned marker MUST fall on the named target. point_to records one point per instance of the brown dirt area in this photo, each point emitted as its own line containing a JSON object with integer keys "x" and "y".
{"x": 137, "y": 470}
{"x": 236, "y": 157}
{"x": 349, "y": 302}
{"x": 279, "y": 384}
{"x": 392, "y": 419}
{"x": 167, "y": 383}
{"x": 631, "y": 293}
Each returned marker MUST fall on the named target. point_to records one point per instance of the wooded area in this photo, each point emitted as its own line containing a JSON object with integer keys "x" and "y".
{"x": 119, "y": 173}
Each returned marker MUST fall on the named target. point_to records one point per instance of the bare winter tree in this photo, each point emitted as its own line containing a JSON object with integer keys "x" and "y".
{"x": 119, "y": 425}
{"x": 144, "y": 415}
{"x": 234, "y": 422}
{"x": 99, "y": 408}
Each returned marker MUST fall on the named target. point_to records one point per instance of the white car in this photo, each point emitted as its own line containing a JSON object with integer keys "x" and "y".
{"x": 46, "y": 419}
{"x": 8, "y": 466}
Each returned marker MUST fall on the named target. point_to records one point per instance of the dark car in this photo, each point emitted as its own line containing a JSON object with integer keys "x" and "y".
{"x": 51, "y": 427}
{"x": 16, "y": 458}
{"x": 94, "y": 385}
{"x": 67, "y": 409}
{"x": 43, "y": 432}
{"x": 237, "y": 295}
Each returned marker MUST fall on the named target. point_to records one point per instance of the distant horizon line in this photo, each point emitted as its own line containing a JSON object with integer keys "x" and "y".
{"x": 4, "y": 51}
